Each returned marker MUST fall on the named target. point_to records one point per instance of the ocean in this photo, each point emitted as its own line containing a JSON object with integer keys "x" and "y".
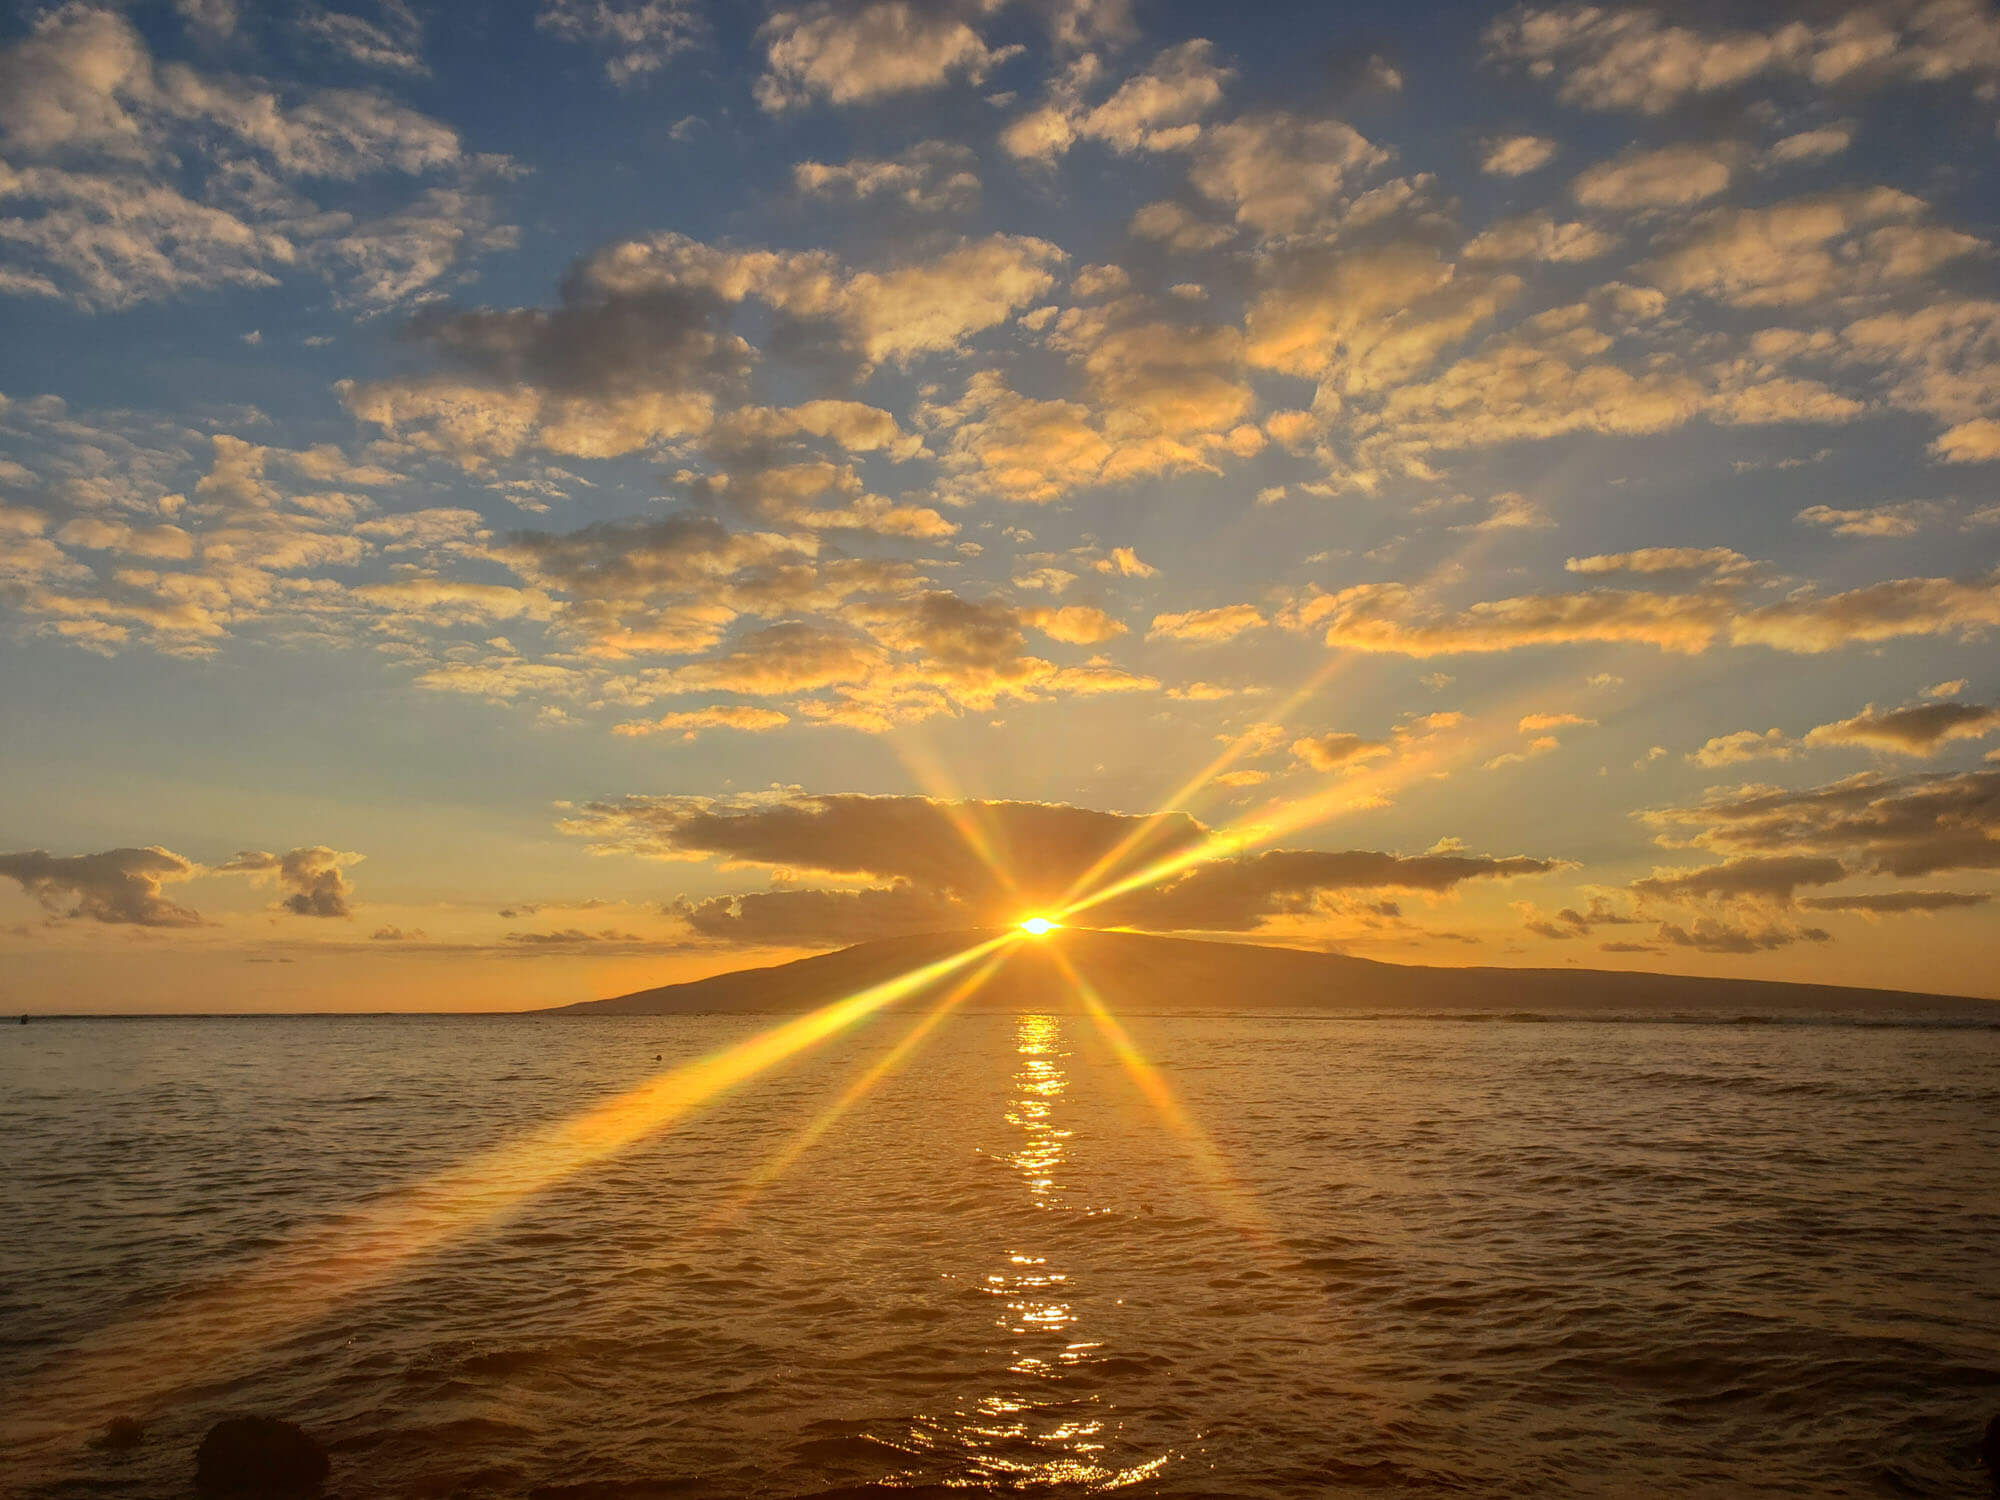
{"x": 1243, "y": 1256}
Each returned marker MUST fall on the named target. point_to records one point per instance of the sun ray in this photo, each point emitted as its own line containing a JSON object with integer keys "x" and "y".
{"x": 970, "y": 817}
{"x": 1186, "y": 796}
{"x": 318, "y": 1267}
{"x": 1242, "y": 1208}
{"x": 1357, "y": 791}
{"x": 1133, "y": 845}
{"x": 788, "y": 1155}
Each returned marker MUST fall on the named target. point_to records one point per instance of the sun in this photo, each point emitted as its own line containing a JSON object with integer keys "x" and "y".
{"x": 1038, "y": 926}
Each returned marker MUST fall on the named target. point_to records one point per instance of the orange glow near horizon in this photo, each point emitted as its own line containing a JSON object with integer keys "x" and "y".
{"x": 312, "y": 1271}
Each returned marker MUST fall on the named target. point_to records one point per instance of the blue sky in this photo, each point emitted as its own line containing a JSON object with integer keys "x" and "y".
{"x": 499, "y": 504}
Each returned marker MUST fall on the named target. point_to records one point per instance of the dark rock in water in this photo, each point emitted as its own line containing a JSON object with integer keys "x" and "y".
{"x": 120, "y": 1435}
{"x": 259, "y": 1456}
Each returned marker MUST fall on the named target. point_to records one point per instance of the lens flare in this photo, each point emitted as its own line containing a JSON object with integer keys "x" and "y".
{"x": 316, "y": 1268}
{"x": 1038, "y": 926}
{"x": 787, "y": 1156}
{"x": 1239, "y": 1206}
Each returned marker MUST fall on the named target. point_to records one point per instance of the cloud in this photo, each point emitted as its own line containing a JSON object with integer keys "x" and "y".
{"x": 395, "y": 258}
{"x": 1718, "y": 935}
{"x": 1158, "y": 109}
{"x": 821, "y": 918}
{"x": 395, "y": 43}
{"x": 860, "y": 53}
{"x": 1042, "y": 846}
{"x": 920, "y": 872}
{"x": 1538, "y": 237}
{"x": 1720, "y": 560}
{"x": 1387, "y": 617}
{"x": 1909, "y": 731}
{"x": 640, "y": 348}
{"x": 1889, "y": 825}
{"x": 689, "y": 723}
{"x": 1752, "y": 877}
{"x": 312, "y": 876}
{"x": 569, "y": 938}
{"x": 1175, "y": 226}
{"x": 1075, "y": 624}
{"x": 1025, "y": 449}
{"x": 1277, "y": 171}
{"x": 930, "y": 177}
{"x": 1631, "y": 58}
{"x": 1744, "y": 745}
{"x": 121, "y": 886}
{"x": 1223, "y": 623}
{"x": 1897, "y": 607}
{"x": 111, "y": 240}
{"x": 1807, "y": 249}
{"x": 1365, "y": 321}
{"x": 1125, "y": 563}
{"x": 637, "y": 37}
{"x": 1338, "y": 751}
{"x": 1942, "y": 359}
{"x": 1572, "y": 923}
{"x": 1516, "y": 155}
{"x": 1378, "y": 617}
{"x": 1668, "y": 177}
{"x": 1974, "y": 442}
{"x": 1906, "y": 519}
{"x": 1897, "y": 903}
{"x": 1810, "y": 145}
{"x": 1241, "y": 895}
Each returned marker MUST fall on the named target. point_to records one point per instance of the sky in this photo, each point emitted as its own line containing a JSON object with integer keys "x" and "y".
{"x": 502, "y": 505}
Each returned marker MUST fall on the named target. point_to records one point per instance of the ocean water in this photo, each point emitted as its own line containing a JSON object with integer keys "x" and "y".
{"x": 1265, "y": 1256}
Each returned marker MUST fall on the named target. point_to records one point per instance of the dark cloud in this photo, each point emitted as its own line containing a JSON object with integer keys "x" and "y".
{"x": 1887, "y": 825}
{"x": 118, "y": 885}
{"x": 812, "y": 918}
{"x": 1713, "y": 935}
{"x": 594, "y": 343}
{"x": 960, "y": 635}
{"x": 1890, "y": 903}
{"x": 642, "y": 558}
{"x": 573, "y": 937}
{"x": 1572, "y": 923}
{"x": 1239, "y": 895}
{"x": 918, "y": 855}
{"x": 1754, "y": 877}
{"x": 885, "y": 840}
{"x": 1910, "y": 731}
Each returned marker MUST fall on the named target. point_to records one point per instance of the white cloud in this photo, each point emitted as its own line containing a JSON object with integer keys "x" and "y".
{"x": 1516, "y": 155}
{"x": 861, "y": 53}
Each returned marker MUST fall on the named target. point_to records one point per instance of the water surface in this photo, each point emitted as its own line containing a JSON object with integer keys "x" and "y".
{"x": 1565, "y": 1258}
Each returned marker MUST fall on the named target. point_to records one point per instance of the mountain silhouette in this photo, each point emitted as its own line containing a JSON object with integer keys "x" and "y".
{"x": 1139, "y": 973}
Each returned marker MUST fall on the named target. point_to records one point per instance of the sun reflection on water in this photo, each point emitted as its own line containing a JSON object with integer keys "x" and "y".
{"x": 1035, "y": 1431}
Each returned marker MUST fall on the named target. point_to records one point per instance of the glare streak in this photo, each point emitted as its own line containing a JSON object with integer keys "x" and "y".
{"x": 970, "y": 817}
{"x": 1134, "y": 843}
{"x": 1208, "y": 1160}
{"x": 320, "y": 1266}
{"x": 787, "y": 1156}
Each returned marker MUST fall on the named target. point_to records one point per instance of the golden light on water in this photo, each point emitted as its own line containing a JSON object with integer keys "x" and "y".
{"x": 315, "y": 1269}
